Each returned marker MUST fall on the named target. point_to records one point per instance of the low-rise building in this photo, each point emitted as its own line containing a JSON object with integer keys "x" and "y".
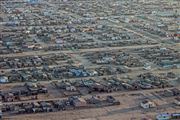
{"x": 177, "y": 101}
{"x": 164, "y": 116}
{"x": 79, "y": 102}
{"x": 147, "y": 104}
{"x": 4, "y": 79}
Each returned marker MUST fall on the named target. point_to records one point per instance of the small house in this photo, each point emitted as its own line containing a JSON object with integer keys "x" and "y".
{"x": 175, "y": 116}
{"x": 46, "y": 106}
{"x": 60, "y": 105}
{"x": 4, "y": 79}
{"x": 79, "y": 102}
{"x": 95, "y": 100}
{"x": 167, "y": 93}
{"x": 177, "y": 101}
{"x": 175, "y": 91}
{"x": 8, "y": 97}
{"x": 147, "y": 104}
{"x": 164, "y": 116}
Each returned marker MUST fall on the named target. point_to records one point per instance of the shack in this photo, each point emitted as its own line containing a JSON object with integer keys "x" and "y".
{"x": 177, "y": 101}
{"x": 78, "y": 102}
{"x": 147, "y": 104}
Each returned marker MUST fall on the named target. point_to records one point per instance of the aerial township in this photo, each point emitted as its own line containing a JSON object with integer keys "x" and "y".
{"x": 90, "y": 59}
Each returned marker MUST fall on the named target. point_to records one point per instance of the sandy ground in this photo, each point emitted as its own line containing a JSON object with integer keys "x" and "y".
{"x": 128, "y": 110}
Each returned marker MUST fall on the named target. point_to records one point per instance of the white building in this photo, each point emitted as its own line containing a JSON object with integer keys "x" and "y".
{"x": 4, "y": 79}
{"x": 147, "y": 104}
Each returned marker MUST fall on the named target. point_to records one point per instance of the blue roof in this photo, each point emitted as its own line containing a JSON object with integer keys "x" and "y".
{"x": 176, "y": 114}
{"x": 32, "y": 1}
{"x": 163, "y": 116}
